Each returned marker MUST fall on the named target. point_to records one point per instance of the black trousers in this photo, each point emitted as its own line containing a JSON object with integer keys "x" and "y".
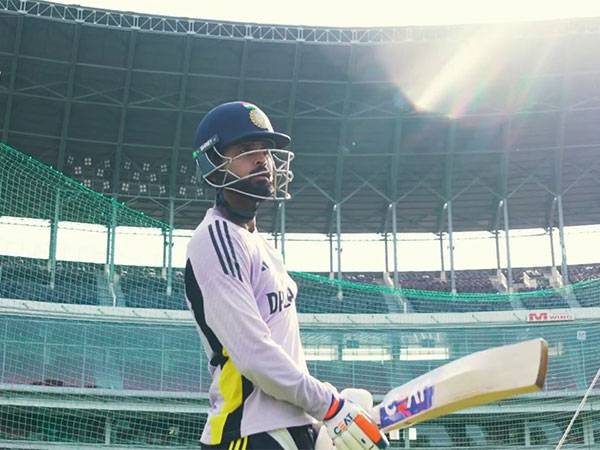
{"x": 300, "y": 438}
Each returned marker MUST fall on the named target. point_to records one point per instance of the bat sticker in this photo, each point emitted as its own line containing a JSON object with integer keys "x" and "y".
{"x": 398, "y": 410}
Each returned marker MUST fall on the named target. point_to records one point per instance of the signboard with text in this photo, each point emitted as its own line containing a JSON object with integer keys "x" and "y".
{"x": 550, "y": 315}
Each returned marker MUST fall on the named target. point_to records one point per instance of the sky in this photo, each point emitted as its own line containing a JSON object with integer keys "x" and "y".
{"x": 346, "y": 13}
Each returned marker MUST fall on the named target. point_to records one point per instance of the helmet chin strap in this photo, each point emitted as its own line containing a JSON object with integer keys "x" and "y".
{"x": 235, "y": 213}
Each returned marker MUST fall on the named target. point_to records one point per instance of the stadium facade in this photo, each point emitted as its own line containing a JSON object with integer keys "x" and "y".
{"x": 107, "y": 357}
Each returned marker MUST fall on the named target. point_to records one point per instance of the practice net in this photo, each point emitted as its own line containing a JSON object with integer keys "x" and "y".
{"x": 105, "y": 353}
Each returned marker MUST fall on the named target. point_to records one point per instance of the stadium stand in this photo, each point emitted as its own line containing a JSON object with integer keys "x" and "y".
{"x": 146, "y": 287}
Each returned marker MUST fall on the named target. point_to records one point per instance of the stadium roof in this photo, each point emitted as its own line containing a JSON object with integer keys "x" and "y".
{"x": 112, "y": 99}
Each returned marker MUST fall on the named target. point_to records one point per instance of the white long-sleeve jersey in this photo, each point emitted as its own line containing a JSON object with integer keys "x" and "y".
{"x": 243, "y": 301}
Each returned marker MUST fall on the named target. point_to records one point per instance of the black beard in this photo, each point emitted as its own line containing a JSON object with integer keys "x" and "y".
{"x": 255, "y": 186}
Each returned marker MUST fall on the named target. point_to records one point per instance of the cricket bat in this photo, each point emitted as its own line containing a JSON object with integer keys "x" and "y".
{"x": 482, "y": 377}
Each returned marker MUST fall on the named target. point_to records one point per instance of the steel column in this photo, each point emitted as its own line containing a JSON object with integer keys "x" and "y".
{"x": 385, "y": 253}
{"x": 69, "y": 100}
{"x": 108, "y": 428}
{"x": 443, "y": 268}
{"x": 330, "y": 255}
{"x": 338, "y": 234}
{"x": 552, "y": 256}
{"x": 563, "y": 246}
{"x": 179, "y": 125}
{"x": 498, "y": 265}
{"x": 53, "y": 239}
{"x": 13, "y": 77}
{"x": 170, "y": 247}
{"x": 451, "y": 247}
{"x": 282, "y": 229}
{"x": 293, "y": 91}
{"x": 123, "y": 116}
{"x": 164, "y": 255}
{"x": 507, "y": 236}
{"x": 110, "y": 247}
{"x": 242, "y": 82}
{"x": 395, "y": 245}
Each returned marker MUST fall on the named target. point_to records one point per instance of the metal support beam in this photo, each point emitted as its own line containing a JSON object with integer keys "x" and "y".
{"x": 502, "y": 181}
{"x": 552, "y": 256}
{"x": 244, "y": 64}
{"x": 338, "y": 235}
{"x": 451, "y": 247}
{"x": 343, "y": 135}
{"x": 12, "y": 80}
{"x": 563, "y": 245}
{"x": 330, "y": 255}
{"x": 53, "y": 239}
{"x": 122, "y": 119}
{"x": 179, "y": 124}
{"x": 69, "y": 98}
{"x": 588, "y": 430}
{"x": 558, "y": 169}
{"x": 395, "y": 245}
{"x": 442, "y": 267}
{"x": 392, "y": 184}
{"x": 507, "y": 242}
{"x": 498, "y": 264}
{"x": 385, "y": 253}
{"x": 110, "y": 244}
{"x": 108, "y": 429}
{"x": 293, "y": 91}
{"x": 170, "y": 247}
{"x": 282, "y": 228}
{"x": 164, "y": 255}
{"x": 527, "y": 433}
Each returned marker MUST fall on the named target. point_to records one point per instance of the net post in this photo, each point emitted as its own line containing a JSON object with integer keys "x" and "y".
{"x": 563, "y": 246}
{"x": 53, "y": 239}
{"x": 164, "y": 254}
{"x": 507, "y": 236}
{"x": 552, "y": 256}
{"x": 110, "y": 248}
{"x": 282, "y": 229}
{"x": 170, "y": 247}
{"x": 395, "y": 244}
{"x": 451, "y": 246}
{"x": 338, "y": 233}
{"x": 442, "y": 267}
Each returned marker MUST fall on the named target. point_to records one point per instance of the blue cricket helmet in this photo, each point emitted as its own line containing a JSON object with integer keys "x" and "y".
{"x": 232, "y": 123}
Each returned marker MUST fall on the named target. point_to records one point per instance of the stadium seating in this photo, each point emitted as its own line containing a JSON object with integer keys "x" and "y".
{"x": 146, "y": 287}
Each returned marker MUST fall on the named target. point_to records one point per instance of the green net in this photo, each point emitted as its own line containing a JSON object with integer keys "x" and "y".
{"x": 103, "y": 352}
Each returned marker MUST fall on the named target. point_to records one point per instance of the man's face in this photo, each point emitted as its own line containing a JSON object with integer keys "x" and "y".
{"x": 251, "y": 157}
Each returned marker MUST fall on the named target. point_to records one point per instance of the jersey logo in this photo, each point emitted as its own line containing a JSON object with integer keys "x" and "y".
{"x": 219, "y": 235}
{"x": 264, "y": 267}
{"x": 278, "y": 301}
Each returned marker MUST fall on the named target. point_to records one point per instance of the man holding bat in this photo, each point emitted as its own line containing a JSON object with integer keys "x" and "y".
{"x": 243, "y": 300}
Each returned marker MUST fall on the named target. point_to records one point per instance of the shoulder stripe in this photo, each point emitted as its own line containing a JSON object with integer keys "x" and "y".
{"x": 196, "y": 299}
{"x": 223, "y": 246}
{"x": 235, "y": 261}
{"x": 216, "y": 247}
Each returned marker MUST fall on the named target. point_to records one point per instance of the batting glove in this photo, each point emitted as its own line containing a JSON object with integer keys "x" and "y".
{"x": 351, "y": 428}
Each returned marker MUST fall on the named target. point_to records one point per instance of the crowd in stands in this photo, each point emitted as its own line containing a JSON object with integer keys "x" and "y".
{"x": 147, "y": 287}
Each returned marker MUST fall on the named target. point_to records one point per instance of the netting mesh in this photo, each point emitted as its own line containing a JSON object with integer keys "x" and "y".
{"x": 105, "y": 353}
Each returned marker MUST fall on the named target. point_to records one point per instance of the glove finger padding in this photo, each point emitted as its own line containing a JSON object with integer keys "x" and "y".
{"x": 351, "y": 428}
{"x": 366, "y": 434}
{"x": 360, "y": 397}
{"x": 323, "y": 441}
{"x": 340, "y": 444}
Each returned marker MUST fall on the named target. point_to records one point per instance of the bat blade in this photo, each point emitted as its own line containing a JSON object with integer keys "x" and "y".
{"x": 482, "y": 377}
